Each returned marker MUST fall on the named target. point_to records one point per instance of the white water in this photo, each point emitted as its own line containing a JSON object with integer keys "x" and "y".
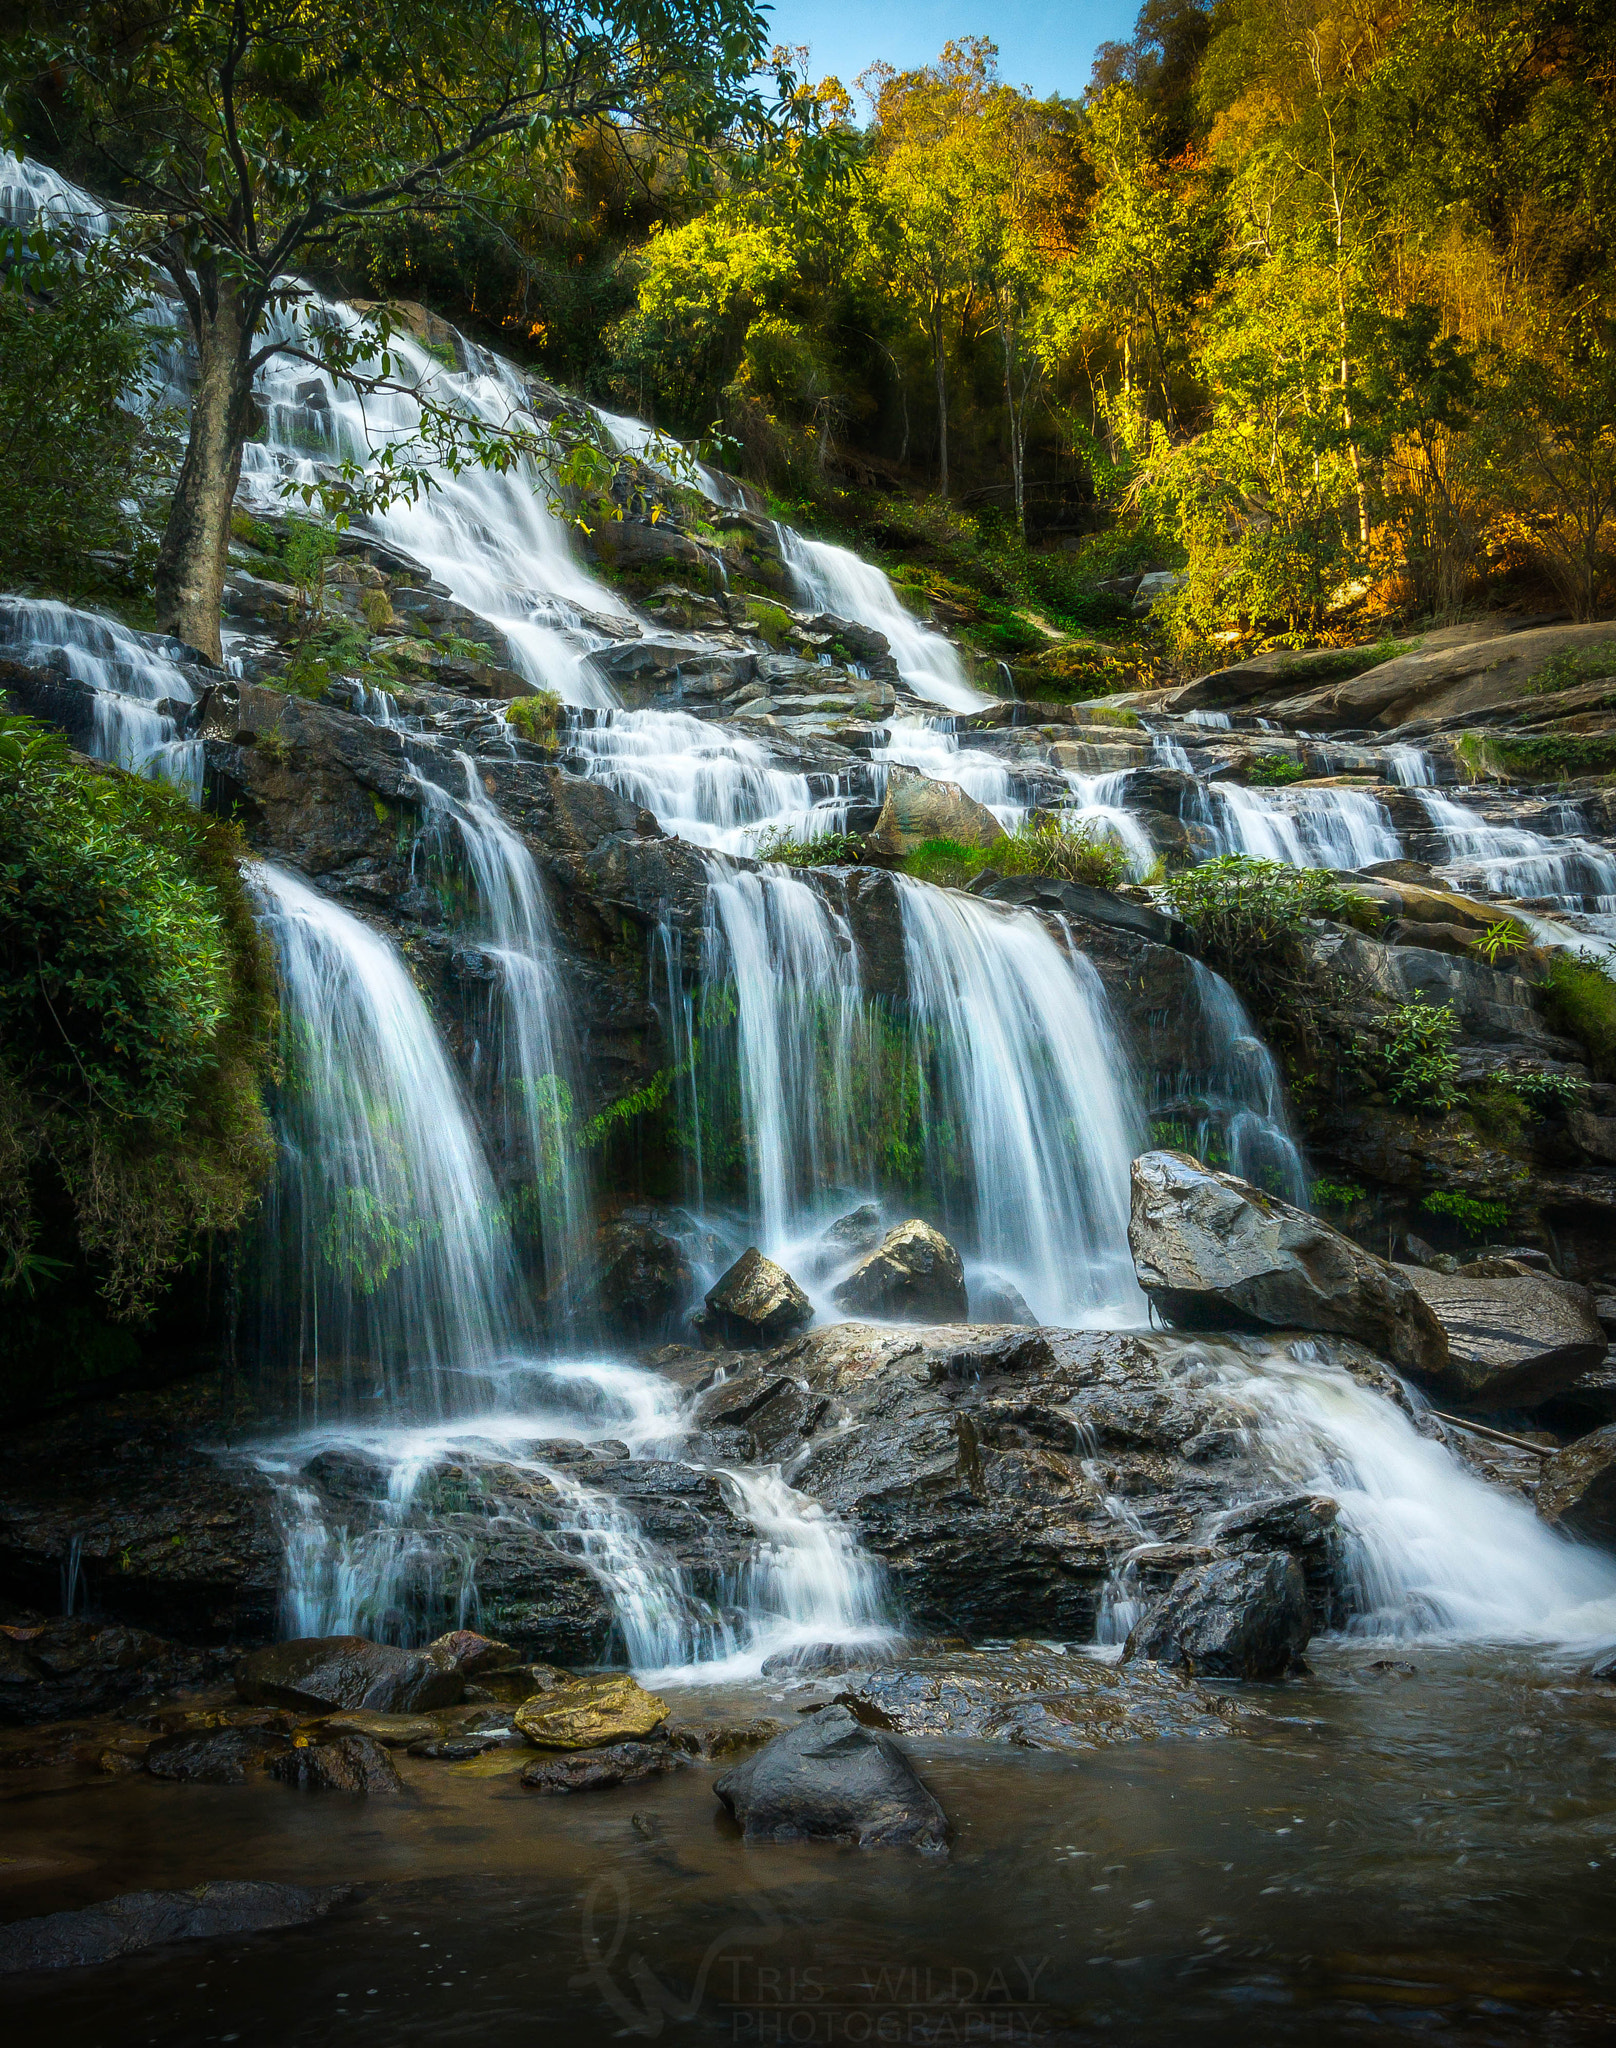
{"x": 935, "y": 751}
{"x": 1240, "y": 1093}
{"x": 386, "y": 1266}
{"x": 1411, "y": 766}
{"x": 1306, "y": 828}
{"x": 1098, "y": 802}
{"x": 1515, "y": 862}
{"x": 833, "y": 579}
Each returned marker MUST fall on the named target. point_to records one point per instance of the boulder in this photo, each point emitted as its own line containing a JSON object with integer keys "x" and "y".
{"x": 1214, "y": 1252}
{"x": 645, "y": 1275}
{"x": 346, "y": 1763}
{"x": 711, "y": 1739}
{"x": 215, "y": 1756}
{"x": 917, "y": 809}
{"x": 858, "y": 1231}
{"x": 53, "y": 1670}
{"x": 321, "y": 1672}
{"x": 997, "y": 1300}
{"x": 610, "y": 1707}
{"x": 1513, "y": 1340}
{"x": 514, "y": 1683}
{"x": 1577, "y": 1490}
{"x": 137, "y": 1920}
{"x": 914, "y": 1273}
{"x": 756, "y": 1302}
{"x": 1238, "y": 1617}
{"x": 597, "y": 1770}
{"x": 465, "y": 1651}
{"x": 832, "y": 1780}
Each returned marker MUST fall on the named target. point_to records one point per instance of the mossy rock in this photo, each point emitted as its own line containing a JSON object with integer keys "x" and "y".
{"x": 609, "y": 1708}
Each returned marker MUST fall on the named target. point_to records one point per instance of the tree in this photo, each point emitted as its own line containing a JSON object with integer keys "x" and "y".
{"x": 252, "y": 134}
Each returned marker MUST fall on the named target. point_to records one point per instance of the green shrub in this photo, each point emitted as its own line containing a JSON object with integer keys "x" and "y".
{"x": 1274, "y": 771}
{"x": 1112, "y": 714}
{"x": 832, "y": 849}
{"x": 534, "y": 718}
{"x": 1545, "y": 1092}
{"x": 1074, "y": 853}
{"x": 1579, "y": 998}
{"x": 1252, "y": 919}
{"x": 1421, "y": 1067}
{"x": 1338, "y": 1194}
{"x": 1475, "y": 1216}
{"x": 1565, "y": 670}
{"x": 945, "y": 862}
{"x": 136, "y": 997}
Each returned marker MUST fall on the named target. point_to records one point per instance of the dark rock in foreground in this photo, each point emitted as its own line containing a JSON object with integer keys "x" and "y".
{"x": 1237, "y": 1617}
{"x": 137, "y": 1920}
{"x": 1514, "y": 1338}
{"x": 347, "y": 1763}
{"x": 215, "y": 1756}
{"x": 1578, "y": 1487}
{"x": 755, "y": 1302}
{"x": 832, "y": 1780}
{"x": 1036, "y": 1698}
{"x": 914, "y": 1273}
{"x": 597, "y": 1770}
{"x": 61, "y": 1668}
{"x": 1214, "y": 1252}
{"x": 347, "y": 1671}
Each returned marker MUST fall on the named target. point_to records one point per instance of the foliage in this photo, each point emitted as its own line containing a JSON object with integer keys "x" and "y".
{"x": 1579, "y": 998}
{"x": 1499, "y": 940}
{"x": 534, "y": 718}
{"x": 944, "y": 862}
{"x": 1338, "y": 1194}
{"x": 1421, "y": 1067}
{"x": 829, "y": 850}
{"x": 1275, "y": 771}
{"x": 135, "y": 1003}
{"x": 1475, "y": 1215}
{"x": 76, "y": 456}
{"x": 1544, "y": 1091}
{"x": 1251, "y": 920}
{"x": 1072, "y": 852}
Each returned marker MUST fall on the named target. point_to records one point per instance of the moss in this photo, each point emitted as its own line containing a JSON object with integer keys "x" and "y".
{"x": 1112, "y": 714}
{"x": 534, "y": 718}
{"x": 1274, "y": 771}
{"x": 1044, "y": 847}
{"x": 1579, "y": 998}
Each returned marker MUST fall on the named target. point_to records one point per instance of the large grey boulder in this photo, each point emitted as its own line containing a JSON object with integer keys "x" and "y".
{"x": 1214, "y": 1252}
{"x": 1513, "y": 1340}
{"x": 756, "y": 1302}
{"x": 914, "y": 1272}
{"x": 833, "y": 1781}
{"x": 323, "y": 1672}
{"x": 1577, "y": 1490}
{"x": 1238, "y": 1617}
{"x": 137, "y": 1920}
{"x": 917, "y": 809}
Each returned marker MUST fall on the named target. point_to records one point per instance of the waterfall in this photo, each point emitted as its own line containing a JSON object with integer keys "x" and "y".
{"x": 809, "y": 1581}
{"x": 1238, "y": 1097}
{"x": 137, "y": 681}
{"x": 386, "y": 1266}
{"x": 1209, "y": 721}
{"x": 833, "y": 579}
{"x": 1305, "y": 828}
{"x": 1411, "y": 766}
{"x": 934, "y": 749}
{"x": 1097, "y": 801}
{"x": 1515, "y": 862}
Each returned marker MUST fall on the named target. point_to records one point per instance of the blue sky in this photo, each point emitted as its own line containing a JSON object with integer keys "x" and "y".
{"x": 1047, "y": 44}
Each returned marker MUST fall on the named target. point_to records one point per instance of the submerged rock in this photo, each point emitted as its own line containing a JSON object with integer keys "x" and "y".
{"x": 1578, "y": 1488}
{"x": 345, "y": 1763}
{"x": 914, "y": 1273}
{"x": 1239, "y": 1617}
{"x": 590, "y": 1711}
{"x": 215, "y": 1756}
{"x": 317, "y": 1672}
{"x": 1514, "y": 1337}
{"x": 137, "y": 1920}
{"x": 756, "y": 1302}
{"x": 832, "y": 1780}
{"x": 723, "y": 1738}
{"x": 597, "y": 1770}
{"x": 1213, "y": 1252}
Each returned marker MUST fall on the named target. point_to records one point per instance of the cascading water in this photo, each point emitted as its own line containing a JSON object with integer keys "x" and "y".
{"x": 385, "y": 1267}
{"x": 833, "y": 579}
{"x": 1306, "y": 828}
{"x": 1514, "y": 862}
{"x": 1098, "y": 802}
{"x": 1235, "y": 1099}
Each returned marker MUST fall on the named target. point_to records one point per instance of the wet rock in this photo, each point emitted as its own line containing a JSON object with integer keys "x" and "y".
{"x": 320, "y": 1672}
{"x": 1512, "y": 1340}
{"x": 917, "y": 809}
{"x": 1214, "y": 1252}
{"x": 711, "y": 1739}
{"x": 1036, "y": 1698}
{"x": 347, "y": 1763}
{"x": 590, "y": 1711}
{"x": 597, "y": 1770}
{"x": 59, "y": 1668}
{"x": 465, "y": 1651}
{"x": 914, "y": 1273}
{"x": 514, "y": 1683}
{"x": 1297, "y": 1522}
{"x": 139, "y": 1920}
{"x": 1605, "y": 1668}
{"x": 646, "y": 1276}
{"x": 997, "y": 1300}
{"x": 217, "y": 1756}
{"x": 1577, "y": 1490}
{"x": 831, "y": 1780}
{"x": 858, "y": 1231}
{"x": 1243, "y": 1617}
{"x": 756, "y": 1302}
{"x": 393, "y": 1731}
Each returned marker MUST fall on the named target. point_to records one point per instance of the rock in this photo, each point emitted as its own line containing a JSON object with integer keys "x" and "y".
{"x": 1577, "y": 1490}
{"x": 608, "y": 1708}
{"x": 514, "y": 1683}
{"x": 997, "y": 1300}
{"x": 858, "y": 1231}
{"x": 138, "y": 1920}
{"x": 645, "y": 1275}
{"x": 1512, "y": 1341}
{"x": 756, "y": 1302}
{"x": 463, "y": 1650}
{"x": 318, "y": 1672}
{"x": 62, "y": 1668}
{"x": 1037, "y": 1698}
{"x": 914, "y": 1274}
{"x": 393, "y": 1731}
{"x": 832, "y": 1780}
{"x": 1213, "y": 1252}
{"x": 346, "y": 1763}
{"x": 1605, "y": 1668}
{"x": 1240, "y": 1617}
{"x": 712, "y": 1739}
{"x": 1298, "y": 1522}
{"x": 215, "y": 1756}
{"x": 917, "y": 809}
{"x": 596, "y": 1770}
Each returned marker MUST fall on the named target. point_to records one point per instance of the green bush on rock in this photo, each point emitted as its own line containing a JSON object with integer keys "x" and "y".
{"x": 136, "y": 997}
{"x": 1579, "y": 997}
{"x": 1043, "y": 846}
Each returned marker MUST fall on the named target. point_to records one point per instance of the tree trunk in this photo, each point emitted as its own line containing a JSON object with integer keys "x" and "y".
{"x": 196, "y": 540}
{"x": 942, "y": 403}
